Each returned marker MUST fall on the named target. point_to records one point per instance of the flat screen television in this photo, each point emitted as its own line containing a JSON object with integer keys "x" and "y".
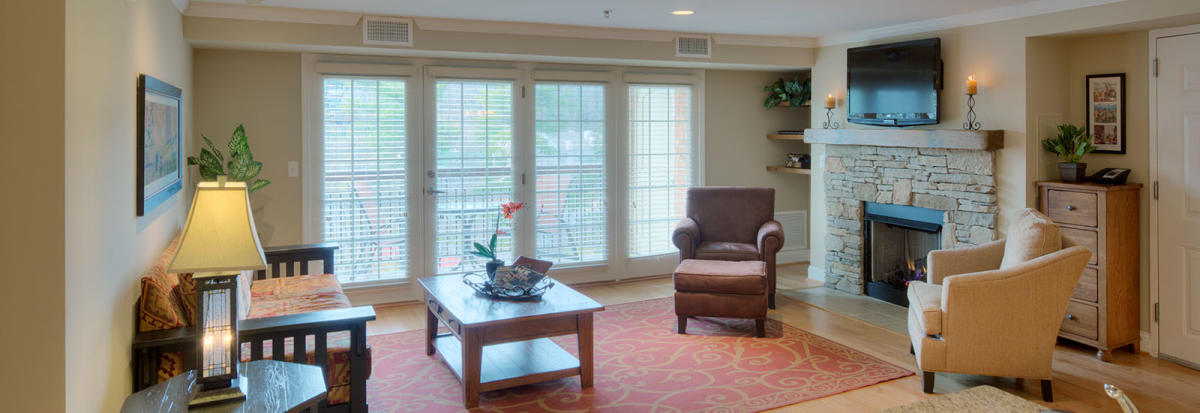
{"x": 894, "y": 84}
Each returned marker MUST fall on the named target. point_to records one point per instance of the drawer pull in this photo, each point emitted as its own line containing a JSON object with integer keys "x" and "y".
{"x": 1070, "y": 207}
{"x": 1071, "y": 317}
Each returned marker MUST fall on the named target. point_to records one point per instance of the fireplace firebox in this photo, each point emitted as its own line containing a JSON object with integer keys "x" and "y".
{"x": 898, "y": 239}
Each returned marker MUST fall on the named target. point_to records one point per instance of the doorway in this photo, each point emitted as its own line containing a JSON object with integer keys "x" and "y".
{"x": 1175, "y": 217}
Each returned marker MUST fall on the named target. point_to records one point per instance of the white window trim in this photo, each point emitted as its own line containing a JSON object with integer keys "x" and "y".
{"x": 667, "y": 261}
{"x": 417, "y": 70}
{"x": 313, "y": 71}
{"x": 609, "y": 81}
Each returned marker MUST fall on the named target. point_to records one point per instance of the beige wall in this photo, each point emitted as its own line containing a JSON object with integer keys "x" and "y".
{"x": 327, "y": 38}
{"x": 997, "y": 54}
{"x": 1002, "y": 82}
{"x": 736, "y": 149}
{"x": 109, "y": 43}
{"x": 31, "y": 214}
{"x": 1056, "y": 91}
{"x": 261, "y": 91}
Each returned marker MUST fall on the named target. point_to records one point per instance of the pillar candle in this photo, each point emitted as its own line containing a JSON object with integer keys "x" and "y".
{"x": 972, "y": 85}
{"x": 830, "y": 102}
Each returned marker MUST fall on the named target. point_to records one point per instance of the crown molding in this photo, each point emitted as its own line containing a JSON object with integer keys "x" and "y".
{"x": 293, "y": 15}
{"x": 1018, "y": 11}
{"x": 541, "y": 29}
{"x": 604, "y": 33}
{"x": 507, "y": 57}
{"x": 271, "y": 14}
{"x": 180, "y": 4}
{"x": 767, "y": 41}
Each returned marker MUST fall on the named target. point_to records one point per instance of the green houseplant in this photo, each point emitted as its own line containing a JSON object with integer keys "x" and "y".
{"x": 1071, "y": 144}
{"x": 241, "y": 165}
{"x": 794, "y": 93}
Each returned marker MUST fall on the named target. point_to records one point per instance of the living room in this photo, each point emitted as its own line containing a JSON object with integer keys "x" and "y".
{"x": 699, "y": 189}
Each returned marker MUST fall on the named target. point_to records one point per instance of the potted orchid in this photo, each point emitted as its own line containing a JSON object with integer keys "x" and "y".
{"x": 507, "y": 210}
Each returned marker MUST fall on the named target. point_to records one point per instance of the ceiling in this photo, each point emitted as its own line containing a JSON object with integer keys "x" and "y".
{"x": 801, "y": 18}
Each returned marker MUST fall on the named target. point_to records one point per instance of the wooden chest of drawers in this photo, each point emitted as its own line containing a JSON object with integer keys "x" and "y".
{"x": 1103, "y": 311}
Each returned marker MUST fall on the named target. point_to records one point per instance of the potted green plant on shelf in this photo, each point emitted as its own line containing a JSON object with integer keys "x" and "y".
{"x": 241, "y": 165}
{"x": 1071, "y": 144}
{"x": 793, "y": 93}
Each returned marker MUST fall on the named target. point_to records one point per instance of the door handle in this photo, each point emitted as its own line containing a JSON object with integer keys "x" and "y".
{"x": 432, "y": 191}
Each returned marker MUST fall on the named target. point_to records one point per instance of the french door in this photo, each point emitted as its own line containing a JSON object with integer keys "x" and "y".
{"x": 469, "y": 166}
{"x": 415, "y": 163}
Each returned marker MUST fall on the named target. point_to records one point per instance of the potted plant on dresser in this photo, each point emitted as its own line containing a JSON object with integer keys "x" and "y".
{"x": 1071, "y": 144}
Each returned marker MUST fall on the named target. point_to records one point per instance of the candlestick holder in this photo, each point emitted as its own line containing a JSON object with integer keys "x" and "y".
{"x": 971, "y": 124}
{"x": 829, "y": 123}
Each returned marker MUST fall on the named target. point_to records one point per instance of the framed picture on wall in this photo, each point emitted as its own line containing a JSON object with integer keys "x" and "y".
{"x": 1106, "y": 112}
{"x": 159, "y": 143}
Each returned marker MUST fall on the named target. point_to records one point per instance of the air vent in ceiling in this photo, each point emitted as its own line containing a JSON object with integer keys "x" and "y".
{"x": 389, "y": 31}
{"x": 693, "y": 46}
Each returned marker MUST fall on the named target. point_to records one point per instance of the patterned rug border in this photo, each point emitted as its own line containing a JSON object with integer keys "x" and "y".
{"x": 760, "y": 403}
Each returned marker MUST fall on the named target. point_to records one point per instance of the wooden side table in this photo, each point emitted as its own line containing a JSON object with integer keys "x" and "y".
{"x": 497, "y": 344}
{"x": 272, "y": 387}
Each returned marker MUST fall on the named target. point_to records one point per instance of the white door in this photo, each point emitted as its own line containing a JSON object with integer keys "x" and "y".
{"x": 469, "y": 167}
{"x": 1178, "y": 105}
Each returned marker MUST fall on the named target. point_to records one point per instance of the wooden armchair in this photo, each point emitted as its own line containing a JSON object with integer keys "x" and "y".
{"x": 149, "y": 346}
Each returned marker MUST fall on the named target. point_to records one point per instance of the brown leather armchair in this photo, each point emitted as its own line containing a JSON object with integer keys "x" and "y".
{"x": 731, "y": 224}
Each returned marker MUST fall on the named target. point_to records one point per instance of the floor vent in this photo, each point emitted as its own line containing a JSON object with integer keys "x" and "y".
{"x": 693, "y": 46}
{"x": 388, "y": 31}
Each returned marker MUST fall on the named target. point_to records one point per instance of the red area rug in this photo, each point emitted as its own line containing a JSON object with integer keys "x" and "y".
{"x": 642, "y": 365}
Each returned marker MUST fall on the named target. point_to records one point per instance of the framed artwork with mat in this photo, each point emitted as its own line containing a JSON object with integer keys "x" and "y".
{"x": 159, "y": 145}
{"x": 1106, "y": 111}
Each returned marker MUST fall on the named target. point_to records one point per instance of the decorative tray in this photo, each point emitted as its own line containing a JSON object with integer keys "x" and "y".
{"x": 482, "y": 285}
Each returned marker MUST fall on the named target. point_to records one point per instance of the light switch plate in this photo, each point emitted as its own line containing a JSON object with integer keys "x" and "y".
{"x": 293, "y": 169}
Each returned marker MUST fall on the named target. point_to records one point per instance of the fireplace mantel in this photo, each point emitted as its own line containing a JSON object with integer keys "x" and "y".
{"x": 982, "y": 140}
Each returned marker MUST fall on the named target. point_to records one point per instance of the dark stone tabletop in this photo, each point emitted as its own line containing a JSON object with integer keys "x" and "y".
{"x": 272, "y": 386}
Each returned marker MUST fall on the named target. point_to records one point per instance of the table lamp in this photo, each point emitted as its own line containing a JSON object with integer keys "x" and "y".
{"x": 218, "y": 242}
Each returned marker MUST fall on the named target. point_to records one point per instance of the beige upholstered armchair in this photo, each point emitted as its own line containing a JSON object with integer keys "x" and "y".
{"x": 726, "y": 223}
{"x": 995, "y": 309}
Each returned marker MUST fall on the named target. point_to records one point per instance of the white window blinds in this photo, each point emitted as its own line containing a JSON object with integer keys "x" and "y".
{"x": 363, "y": 181}
{"x": 474, "y": 126}
{"x": 660, "y": 164}
{"x": 571, "y": 219}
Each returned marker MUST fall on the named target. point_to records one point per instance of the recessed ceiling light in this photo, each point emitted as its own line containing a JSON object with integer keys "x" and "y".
{"x": 683, "y": 12}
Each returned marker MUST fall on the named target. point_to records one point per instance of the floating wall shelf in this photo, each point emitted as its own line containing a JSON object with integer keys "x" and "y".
{"x": 797, "y": 171}
{"x": 785, "y": 137}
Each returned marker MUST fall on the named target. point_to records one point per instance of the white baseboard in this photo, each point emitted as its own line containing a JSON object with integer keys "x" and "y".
{"x": 792, "y": 256}
{"x": 1149, "y": 346}
{"x": 815, "y": 273}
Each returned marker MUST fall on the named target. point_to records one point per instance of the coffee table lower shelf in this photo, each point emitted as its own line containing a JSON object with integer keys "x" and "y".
{"x": 511, "y": 364}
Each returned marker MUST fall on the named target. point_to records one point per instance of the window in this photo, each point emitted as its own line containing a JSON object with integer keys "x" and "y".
{"x": 410, "y": 159}
{"x": 660, "y": 165}
{"x": 571, "y": 217}
{"x": 474, "y": 129}
{"x": 363, "y": 181}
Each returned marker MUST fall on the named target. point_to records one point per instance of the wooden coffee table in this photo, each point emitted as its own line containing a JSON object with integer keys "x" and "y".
{"x": 496, "y": 344}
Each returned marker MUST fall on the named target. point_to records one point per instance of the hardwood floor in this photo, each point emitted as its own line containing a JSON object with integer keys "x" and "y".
{"x": 1153, "y": 384}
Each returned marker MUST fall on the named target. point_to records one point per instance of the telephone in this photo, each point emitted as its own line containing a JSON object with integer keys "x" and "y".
{"x": 1111, "y": 176}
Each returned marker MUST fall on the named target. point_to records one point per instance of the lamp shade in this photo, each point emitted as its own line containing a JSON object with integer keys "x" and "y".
{"x": 219, "y": 234}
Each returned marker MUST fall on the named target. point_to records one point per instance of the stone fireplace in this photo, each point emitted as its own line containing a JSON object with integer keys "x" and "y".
{"x": 945, "y": 174}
